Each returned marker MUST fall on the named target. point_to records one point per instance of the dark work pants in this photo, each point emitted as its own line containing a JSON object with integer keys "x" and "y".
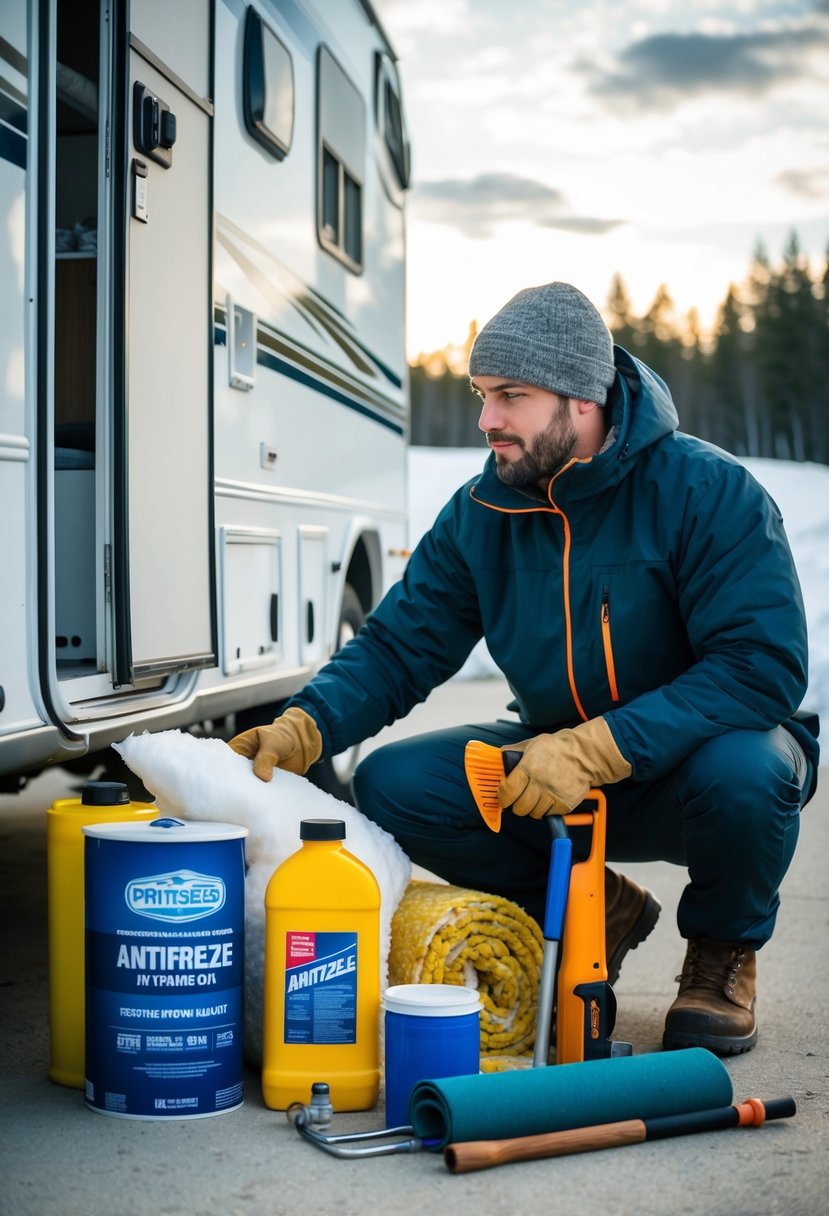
{"x": 730, "y": 813}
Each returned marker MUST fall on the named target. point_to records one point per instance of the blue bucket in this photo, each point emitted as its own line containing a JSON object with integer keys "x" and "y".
{"x": 431, "y": 1031}
{"x": 165, "y": 915}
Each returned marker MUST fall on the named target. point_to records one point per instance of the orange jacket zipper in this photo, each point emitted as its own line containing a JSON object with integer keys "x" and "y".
{"x": 565, "y": 572}
{"x": 608, "y": 645}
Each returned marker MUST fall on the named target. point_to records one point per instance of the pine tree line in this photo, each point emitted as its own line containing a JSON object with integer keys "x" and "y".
{"x": 758, "y": 385}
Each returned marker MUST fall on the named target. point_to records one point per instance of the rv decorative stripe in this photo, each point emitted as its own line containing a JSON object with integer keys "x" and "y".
{"x": 266, "y": 359}
{"x": 275, "y": 282}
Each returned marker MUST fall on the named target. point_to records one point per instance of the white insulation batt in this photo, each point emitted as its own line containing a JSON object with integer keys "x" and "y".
{"x": 202, "y": 779}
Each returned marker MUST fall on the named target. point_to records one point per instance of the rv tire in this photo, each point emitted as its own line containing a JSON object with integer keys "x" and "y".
{"x": 334, "y": 774}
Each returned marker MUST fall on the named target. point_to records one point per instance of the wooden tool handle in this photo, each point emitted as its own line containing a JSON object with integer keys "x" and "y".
{"x": 482, "y": 1154}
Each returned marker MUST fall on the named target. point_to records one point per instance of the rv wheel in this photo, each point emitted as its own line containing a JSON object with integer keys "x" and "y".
{"x": 334, "y": 775}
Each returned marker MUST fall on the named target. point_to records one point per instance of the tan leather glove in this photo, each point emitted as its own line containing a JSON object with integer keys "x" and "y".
{"x": 292, "y": 741}
{"x": 556, "y": 771}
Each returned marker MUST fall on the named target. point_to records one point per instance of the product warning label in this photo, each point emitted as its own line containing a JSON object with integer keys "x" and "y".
{"x": 320, "y": 987}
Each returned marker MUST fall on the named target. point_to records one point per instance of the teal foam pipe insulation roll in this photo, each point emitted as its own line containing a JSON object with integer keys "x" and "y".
{"x": 527, "y": 1102}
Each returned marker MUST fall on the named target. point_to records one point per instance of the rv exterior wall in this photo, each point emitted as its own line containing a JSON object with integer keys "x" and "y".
{"x": 228, "y": 508}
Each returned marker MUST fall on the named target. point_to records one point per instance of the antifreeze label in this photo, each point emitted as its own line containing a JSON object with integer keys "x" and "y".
{"x": 164, "y": 997}
{"x": 320, "y": 987}
{"x": 178, "y": 897}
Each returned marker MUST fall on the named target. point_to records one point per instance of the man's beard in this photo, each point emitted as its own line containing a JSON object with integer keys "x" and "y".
{"x": 548, "y": 453}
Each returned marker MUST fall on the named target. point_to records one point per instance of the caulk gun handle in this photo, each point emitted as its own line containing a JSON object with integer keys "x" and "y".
{"x": 510, "y": 758}
{"x": 558, "y": 828}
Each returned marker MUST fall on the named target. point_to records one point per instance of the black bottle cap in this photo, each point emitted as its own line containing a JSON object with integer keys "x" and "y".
{"x": 322, "y": 829}
{"x": 105, "y": 793}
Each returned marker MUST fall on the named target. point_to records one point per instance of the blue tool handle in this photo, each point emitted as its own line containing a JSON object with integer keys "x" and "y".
{"x": 561, "y": 852}
{"x": 558, "y": 884}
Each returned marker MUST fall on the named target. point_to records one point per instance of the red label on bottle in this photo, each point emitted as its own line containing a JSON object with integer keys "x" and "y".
{"x": 300, "y": 948}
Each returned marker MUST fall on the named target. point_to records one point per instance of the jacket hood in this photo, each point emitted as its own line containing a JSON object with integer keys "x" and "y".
{"x": 640, "y": 403}
{"x": 641, "y": 409}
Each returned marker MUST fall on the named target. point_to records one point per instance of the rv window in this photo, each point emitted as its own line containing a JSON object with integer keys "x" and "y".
{"x": 393, "y": 133}
{"x": 391, "y": 129}
{"x": 268, "y": 87}
{"x": 353, "y": 220}
{"x": 330, "y": 197}
{"x": 341, "y": 162}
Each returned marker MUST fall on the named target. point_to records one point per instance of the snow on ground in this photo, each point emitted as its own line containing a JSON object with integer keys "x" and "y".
{"x": 801, "y": 491}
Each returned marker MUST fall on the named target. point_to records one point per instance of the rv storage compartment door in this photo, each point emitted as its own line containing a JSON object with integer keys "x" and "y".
{"x": 251, "y": 581}
{"x": 167, "y": 623}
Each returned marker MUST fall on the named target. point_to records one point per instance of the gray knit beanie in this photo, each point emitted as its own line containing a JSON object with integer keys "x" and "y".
{"x": 551, "y": 337}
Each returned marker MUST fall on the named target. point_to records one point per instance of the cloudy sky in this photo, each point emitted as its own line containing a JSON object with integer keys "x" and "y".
{"x": 569, "y": 139}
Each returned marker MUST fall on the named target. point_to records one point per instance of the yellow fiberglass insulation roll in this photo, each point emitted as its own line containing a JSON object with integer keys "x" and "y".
{"x": 442, "y": 934}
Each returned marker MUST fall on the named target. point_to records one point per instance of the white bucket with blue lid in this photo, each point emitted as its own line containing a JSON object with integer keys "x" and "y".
{"x": 164, "y": 918}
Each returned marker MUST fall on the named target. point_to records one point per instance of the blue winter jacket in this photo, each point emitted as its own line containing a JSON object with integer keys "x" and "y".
{"x": 654, "y": 586}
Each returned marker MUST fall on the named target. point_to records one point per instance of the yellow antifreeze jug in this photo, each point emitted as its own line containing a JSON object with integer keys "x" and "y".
{"x": 321, "y": 1012}
{"x": 100, "y": 802}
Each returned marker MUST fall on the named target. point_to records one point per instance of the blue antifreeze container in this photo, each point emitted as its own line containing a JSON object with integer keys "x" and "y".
{"x": 164, "y": 922}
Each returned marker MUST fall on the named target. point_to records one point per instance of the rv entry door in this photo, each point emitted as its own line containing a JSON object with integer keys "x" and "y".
{"x": 162, "y": 556}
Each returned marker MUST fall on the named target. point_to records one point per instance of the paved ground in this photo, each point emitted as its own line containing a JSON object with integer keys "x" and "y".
{"x": 59, "y": 1159}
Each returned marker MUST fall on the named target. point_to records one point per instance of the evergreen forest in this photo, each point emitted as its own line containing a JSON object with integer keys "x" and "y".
{"x": 757, "y": 385}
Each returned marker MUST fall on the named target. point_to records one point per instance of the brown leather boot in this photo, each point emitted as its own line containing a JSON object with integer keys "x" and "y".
{"x": 715, "y": 1005}
{"x": 629, "y": 915}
